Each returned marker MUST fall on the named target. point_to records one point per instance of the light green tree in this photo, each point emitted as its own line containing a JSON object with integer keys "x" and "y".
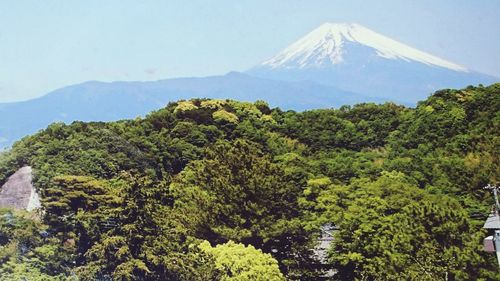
{"x": 238, "y": 262}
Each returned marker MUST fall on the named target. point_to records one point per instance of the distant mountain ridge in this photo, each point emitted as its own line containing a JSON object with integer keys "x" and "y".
{"x": 357, "y": 59}
{"x": 101, "y": 101}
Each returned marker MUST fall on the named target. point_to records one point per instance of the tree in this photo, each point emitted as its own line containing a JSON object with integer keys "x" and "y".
{"x": 237, "y": 262}
{"x": 147, "y": 241}
{"x": 237, "y": 193}
{"x": 27, "y": 251}
{"x": 120, "y": 252}
{"x": 392, "y": 230}
{"x": 77, "y": 207}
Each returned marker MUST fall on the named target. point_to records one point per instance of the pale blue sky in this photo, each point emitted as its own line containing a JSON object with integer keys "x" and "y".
{"x": 45, "y": 45}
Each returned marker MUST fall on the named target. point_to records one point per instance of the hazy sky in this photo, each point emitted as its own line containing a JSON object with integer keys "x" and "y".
{"x": 45, "y": 45}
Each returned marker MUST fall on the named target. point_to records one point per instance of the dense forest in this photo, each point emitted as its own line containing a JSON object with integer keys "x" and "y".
{"x": 226, "y": 190}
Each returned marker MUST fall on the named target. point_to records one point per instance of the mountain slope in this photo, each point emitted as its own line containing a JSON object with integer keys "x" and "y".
{"x": 99, "y": 101}
{"x": 355, "y": 58}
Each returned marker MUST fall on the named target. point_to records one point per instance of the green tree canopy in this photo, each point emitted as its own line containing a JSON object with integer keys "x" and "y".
{"x": 238, "y": 262}
{"x": 237, "y": 193}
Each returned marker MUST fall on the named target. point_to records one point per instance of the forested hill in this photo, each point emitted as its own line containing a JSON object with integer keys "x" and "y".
{"x": 227, "y": 190}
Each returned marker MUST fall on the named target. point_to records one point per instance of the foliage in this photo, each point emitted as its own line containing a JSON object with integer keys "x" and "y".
{"x": 392, "y": 230}
{"x": 237, "y": 193}
{"x": 240, "y": 263}
{"x": 27, "y": 251}
{"x": 132, "y": 199}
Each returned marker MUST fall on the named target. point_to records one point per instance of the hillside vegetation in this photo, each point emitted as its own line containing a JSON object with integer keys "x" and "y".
{"x": 228, "y": 190}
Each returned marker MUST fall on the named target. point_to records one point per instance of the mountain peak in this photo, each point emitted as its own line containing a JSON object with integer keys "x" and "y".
{"x": 329, "y": 43}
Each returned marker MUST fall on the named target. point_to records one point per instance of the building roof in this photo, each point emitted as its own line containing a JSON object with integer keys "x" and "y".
{"x": 493, "y": 221}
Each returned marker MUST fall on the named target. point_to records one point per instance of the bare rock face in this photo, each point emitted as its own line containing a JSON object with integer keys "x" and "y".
{"x": 18, "y": 192}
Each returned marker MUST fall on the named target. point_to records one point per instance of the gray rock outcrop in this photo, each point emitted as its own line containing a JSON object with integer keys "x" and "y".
{"x": 18, "y": 192}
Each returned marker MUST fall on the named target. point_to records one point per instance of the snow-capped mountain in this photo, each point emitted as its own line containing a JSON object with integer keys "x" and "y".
{"x": 357, "y": 59}
{"x": 326, "y": 45}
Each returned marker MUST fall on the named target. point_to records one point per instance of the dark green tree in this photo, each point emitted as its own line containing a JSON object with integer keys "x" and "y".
{"x": 237, "y": 193}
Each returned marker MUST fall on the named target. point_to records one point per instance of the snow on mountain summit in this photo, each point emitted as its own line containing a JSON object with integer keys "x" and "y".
{"x": 328, "y": 45}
